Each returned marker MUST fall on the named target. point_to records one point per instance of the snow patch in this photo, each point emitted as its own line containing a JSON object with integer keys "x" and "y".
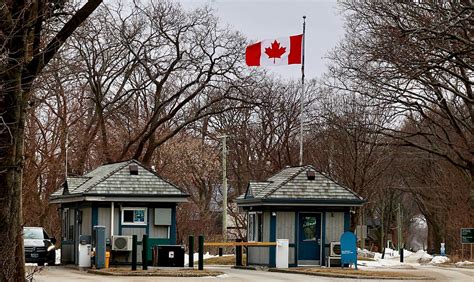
{"x": 464, "y": 263}
{"x": 439, "y": 259}
{"x": 392, "y": 258}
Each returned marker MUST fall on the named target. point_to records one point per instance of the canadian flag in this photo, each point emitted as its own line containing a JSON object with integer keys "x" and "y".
{"x": 275, "y": 52}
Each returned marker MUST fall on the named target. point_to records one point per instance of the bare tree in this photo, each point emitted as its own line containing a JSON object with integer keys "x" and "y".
{"x": 30, "y": 37}
{"x": 346, "y": 145}
{"x": 415, "y": 60}
{"x": 191, "y": 68}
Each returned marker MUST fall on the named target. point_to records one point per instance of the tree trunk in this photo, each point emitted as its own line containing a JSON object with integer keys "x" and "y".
{"x": 12, "y": 122}
{"x": 434, "y": 236}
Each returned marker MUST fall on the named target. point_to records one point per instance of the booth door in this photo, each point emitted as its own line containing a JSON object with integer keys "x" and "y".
{"x": 309, "y": 250}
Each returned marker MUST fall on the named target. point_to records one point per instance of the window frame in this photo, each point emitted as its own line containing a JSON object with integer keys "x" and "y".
{"x": 69, "y": 219}
{"x": 255, "y": 227}
{"x": 138, "y": 223}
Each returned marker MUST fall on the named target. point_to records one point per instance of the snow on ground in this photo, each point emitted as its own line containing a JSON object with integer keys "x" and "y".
{"x": 464, "y": 263}
{"x": 439, "y": 259}
{"x": 392, "y": 258}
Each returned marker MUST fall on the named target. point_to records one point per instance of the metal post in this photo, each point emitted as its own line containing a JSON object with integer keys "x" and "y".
{"x": 191, "y": 251}
{"x": 134, "y": 252}
{"x": 145, "y": 252}
{"x": 224, "y": 187}
{"x": 201, "y": 253}
{"x": 238, "y": 254}
{"x": 112, "y": 212}
{"x": 401, "y": 254}
{"x": 302, "y": 94}
{"x": 399, "y": 233}
{"x": 220, "y": 251}
{"x": 362, "y": 229}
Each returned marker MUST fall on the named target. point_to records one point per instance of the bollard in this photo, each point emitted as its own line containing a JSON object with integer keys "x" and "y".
{"x": 191, "y": 251}
{"x": 401, "y": 254}
{"x": 201, "y": 252}
{"x": 220, "y": 251}
{"x": 134, "y": 252}
{"x": 145, "y": 252}
{"x": 238, "y": 254}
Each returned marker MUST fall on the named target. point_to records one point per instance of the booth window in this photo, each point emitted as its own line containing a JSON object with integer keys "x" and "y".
{"x": 134, "y": 216}
{"x": 68, "y": 224}
{"x": 255, "y": 223}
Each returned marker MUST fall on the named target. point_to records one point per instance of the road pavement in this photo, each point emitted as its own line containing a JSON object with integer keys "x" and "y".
{"x": 60, "y": 274}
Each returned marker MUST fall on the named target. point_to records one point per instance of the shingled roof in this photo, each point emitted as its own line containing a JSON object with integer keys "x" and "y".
{"x": 292, "y": 185}
{"x": 116, "y": 180}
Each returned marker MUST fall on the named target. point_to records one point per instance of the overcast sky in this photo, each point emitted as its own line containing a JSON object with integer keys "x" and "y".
{"x": 266, "y": 19}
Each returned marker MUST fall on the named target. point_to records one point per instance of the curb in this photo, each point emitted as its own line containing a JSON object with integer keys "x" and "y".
{"x": 158, "y": 274}
{"x": 244, "y": 267}
{"x": 350, "y": 276}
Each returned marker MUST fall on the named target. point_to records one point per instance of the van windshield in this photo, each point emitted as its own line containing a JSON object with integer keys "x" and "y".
{"x": 33, "y": 233}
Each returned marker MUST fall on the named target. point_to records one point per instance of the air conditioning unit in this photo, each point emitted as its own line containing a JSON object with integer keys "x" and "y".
{"x": 121, "y": 243}
{"x": 335, "y": 249}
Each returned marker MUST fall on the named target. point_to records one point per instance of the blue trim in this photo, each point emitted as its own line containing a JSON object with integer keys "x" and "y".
{"x": 120, "y": 221}
{"x": 297, "y": 239}
{"x": 323, "y": 239}
{"x": 95, "y": 216}
{"x": 347, "y": 220}
{"x": 272, "y": 259}
{"x": 322, "y": 202}
{"x": 173, "y": 225}
{"x": 148, "y": 220}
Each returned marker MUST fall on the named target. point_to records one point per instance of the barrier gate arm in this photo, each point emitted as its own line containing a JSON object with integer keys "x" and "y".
{"x": 242, "y": 244}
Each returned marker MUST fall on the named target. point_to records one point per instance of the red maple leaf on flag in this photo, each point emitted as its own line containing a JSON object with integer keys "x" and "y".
{"x": 275, "y": 51}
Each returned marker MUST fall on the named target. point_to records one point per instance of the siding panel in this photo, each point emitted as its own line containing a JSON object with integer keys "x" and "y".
{"x": 86, "y": 221}
{"x": 134, "y": 231}
{"x": 285, "y": 226}
{"x": 334, "y": 226}
{"x": 104, "y": 219}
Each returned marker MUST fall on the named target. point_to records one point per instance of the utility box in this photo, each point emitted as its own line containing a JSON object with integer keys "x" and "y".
{"x": 99, "y": 246}
{"x": 171, "y": 255}
{"x": 282, "y": 251}
{"x": 85, "y": 251}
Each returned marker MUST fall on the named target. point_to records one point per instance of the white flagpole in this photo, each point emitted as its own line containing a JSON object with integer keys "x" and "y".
{"x": 302, "y": 95}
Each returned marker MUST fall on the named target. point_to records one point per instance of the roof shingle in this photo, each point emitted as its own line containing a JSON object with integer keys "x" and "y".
{"x": 292, "y": 183}
{"x": 116, "y": 179}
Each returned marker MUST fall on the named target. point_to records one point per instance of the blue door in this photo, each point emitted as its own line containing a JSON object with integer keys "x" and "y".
{"x": 309, "y": 237}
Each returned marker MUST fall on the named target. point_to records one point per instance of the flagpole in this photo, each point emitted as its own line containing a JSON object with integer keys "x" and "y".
{"x": 302, "y": 94}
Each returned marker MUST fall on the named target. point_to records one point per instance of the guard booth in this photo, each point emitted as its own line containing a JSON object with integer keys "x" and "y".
{"x": 127, "y": 199}
{"x": 302, "y": 205}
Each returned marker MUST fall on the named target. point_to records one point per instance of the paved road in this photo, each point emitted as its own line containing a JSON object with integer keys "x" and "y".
{"x": 60, "y": 274}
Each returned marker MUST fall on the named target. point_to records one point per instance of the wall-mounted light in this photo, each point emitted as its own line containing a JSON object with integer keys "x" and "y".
{"x": 274, "y": 214}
